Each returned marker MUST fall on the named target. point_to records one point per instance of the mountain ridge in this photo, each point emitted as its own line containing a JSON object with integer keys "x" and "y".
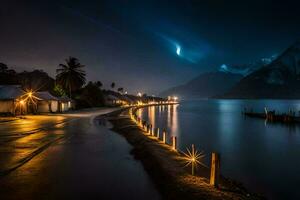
{"x": 278, "y": 80}
{"x": 205, "y": 85}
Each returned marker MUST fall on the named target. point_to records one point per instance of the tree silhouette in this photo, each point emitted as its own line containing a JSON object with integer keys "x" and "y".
{"x": 71, "y": 76}
{"x": 113, "y": 85}
{"x": 120, "y": 89}
{"x": 99, "y": 84}
{"x": 3, "y": 68}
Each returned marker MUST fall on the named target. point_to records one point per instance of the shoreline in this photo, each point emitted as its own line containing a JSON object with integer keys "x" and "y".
{"x": 165, "y": 167}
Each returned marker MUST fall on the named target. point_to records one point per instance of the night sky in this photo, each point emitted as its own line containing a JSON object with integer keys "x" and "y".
{"x": 144, "y": 45}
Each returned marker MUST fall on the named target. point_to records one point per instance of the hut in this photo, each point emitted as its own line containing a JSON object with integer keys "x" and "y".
{"x": 14, "y": 100}
{"x": 46, "y": 102}
{"x": 10, "y": 99}
{"x": 111, "y": 100}
{"x": 65, "y": 104}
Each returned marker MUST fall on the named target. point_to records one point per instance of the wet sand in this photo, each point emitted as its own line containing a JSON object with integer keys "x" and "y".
{"x": 88, "y": 162}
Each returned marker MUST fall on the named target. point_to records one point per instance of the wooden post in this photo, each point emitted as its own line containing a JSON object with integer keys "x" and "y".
{"x": 174, "y": 143}
{"x": 164, "y": 137}
{"x": 215, "y": 169}
{"x": 147, "y": 128}
{"x": 150, "y": 129}
{"x": 193, "y": 161}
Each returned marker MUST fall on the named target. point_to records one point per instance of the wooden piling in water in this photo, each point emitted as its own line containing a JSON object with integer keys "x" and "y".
{"x": 174, "y": 143}
{"x": 150, "y": 129}
{"x": 164, "y": 137}
{"x": 157, "y": 133}
{"x": 193, "y": 161}
{"x": 147, "y": 128}
{"x": 215, "y": 169}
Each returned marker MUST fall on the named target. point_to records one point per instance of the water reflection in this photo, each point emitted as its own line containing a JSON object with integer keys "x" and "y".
{"x": 139, "y": 113}
{"x": 169, "y": 119}
{"x": 174, "y": 120}
{"x": 227, "y": 125}
{"x": 153, "y": 114}
{"x": 253, "y": 151}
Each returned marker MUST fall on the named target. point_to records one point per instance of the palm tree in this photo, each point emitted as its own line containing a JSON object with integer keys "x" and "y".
{"x": 113, "y": 85}
{"x": 71, "y": 76}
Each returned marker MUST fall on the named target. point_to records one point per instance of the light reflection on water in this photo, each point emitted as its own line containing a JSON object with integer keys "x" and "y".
{"x": 153, "y": 114}
{"x": 252, "y": 151}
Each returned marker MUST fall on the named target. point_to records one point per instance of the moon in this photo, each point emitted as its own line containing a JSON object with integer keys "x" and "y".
{"x": 178, "y": 50}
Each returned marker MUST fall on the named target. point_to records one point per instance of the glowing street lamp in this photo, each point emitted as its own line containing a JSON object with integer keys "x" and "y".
{"x": 193, "y": 157}
{"x": 22, "y": 102}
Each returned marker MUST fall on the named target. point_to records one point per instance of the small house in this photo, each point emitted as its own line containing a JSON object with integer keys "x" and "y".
{"x": 14, "y": 100}
{"x": 65, "y": 104}
{"x": 46, "y": 102}
{"x": 111, "y": 100}
{"x": 11, "y": 99}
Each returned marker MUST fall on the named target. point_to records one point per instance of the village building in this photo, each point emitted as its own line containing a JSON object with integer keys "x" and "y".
{"x": 10, "y": 98}
{"x": 46, "y": 102}
{"x": 65, "y": 104}
{"x": 15, "y": 101}
{"x": 112, "y": 100}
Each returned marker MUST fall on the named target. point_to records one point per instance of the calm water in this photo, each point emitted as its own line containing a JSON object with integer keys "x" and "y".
{"x": 265, "y": 157}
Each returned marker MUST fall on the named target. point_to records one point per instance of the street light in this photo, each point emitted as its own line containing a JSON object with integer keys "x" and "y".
{"x": 193, "y": 157}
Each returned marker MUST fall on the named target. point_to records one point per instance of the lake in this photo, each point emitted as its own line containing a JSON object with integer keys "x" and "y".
{"x": 265, "y": 157}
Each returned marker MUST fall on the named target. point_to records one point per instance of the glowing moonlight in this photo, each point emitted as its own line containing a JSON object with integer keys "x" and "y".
{"x": 178, "y": 50}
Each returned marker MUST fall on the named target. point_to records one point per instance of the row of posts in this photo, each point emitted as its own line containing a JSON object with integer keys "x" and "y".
{"x": 215, "y": 157}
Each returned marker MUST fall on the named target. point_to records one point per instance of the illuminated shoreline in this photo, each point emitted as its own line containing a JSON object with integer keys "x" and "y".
{"x": 165, "y": 166}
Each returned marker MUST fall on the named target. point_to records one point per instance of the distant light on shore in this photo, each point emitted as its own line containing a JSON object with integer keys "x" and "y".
{"x": 172, "y": 99}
